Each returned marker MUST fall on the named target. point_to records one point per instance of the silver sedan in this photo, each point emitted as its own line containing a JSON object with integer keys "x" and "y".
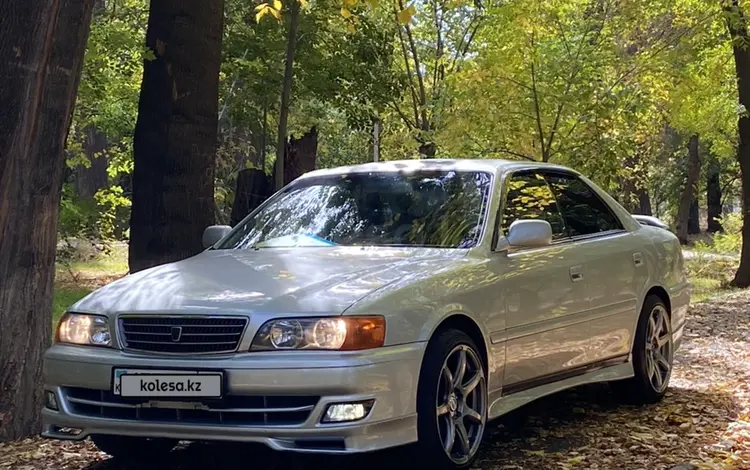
{"x": 372, "y": 306}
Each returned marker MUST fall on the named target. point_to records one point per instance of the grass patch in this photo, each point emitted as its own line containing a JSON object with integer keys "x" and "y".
{"x": 76, "y": 279}
{"x": 64, "y": 297}
{"x": 710, "y": 275}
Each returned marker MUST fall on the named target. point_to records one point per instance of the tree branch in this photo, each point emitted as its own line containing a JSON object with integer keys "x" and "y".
{"x": 535, "y": 96}
{"x": 418, "y": 68}
{"x": 408, "y": 67}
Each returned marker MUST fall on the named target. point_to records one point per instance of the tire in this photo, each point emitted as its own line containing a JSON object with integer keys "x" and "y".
{"x": 470, "y": 408}
{"x": 645, "y": 387}
{"x": 130, "y": 448}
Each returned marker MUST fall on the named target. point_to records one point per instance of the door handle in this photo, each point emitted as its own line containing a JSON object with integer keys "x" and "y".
{"x": 576, "y": 273}
{"x": 638, "y": 259}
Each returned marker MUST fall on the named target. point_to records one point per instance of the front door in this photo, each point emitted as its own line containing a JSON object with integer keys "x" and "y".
{"x": 614, "y": 261}
{"x": 543, "y": 293}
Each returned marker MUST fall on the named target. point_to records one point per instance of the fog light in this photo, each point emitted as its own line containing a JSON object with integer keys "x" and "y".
{"x": 50, "y": 400}
{"x": 342, "y": 412}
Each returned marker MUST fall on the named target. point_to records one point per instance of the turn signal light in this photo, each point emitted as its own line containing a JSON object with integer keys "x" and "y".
{"x": 363, "y": 333}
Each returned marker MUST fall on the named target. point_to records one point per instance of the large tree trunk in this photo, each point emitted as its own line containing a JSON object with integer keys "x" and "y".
{"x": 286, "y": 93}
{"x": 41, "y": 51}
{"x": 176, "y": 133}
{"x": 713, "y": 196}
{"x": 252, "y": 189}
{"x": 89, "y": 180}
{"x": 737, "y": 25}
{"x": 693, "y": 173}
{"x": 301, "y": 155}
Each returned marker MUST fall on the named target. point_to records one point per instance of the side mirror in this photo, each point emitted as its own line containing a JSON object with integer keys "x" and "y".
{"x": 214, "y": 233}
{"x": 530, "y": 233}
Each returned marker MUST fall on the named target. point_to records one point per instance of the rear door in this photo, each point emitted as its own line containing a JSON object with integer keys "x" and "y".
{"x": 613, "y": 262}
{"x": 542, "y": 292}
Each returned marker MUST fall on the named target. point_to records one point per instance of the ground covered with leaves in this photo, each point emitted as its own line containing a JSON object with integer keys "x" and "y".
{"x": 703, "y": 423}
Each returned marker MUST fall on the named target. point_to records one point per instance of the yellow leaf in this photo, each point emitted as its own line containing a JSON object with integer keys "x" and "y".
{"x": 262, "y": 6}
{"x": 276, "y": 13}
{"x": 350, "y": 3}
{"x": 345, "y": 13}
{"x": 261, "y": 12}
{"x": 405, "y": 15}
{"x": 304, "y": 3}
{"x": 277, "y": 4}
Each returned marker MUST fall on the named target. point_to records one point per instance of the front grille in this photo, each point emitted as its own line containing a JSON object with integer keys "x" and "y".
{"x": 182, "y": 335}
{"x": 242, "y": 410}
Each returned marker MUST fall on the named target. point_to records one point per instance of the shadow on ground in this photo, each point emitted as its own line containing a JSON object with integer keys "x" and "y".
{"x": 586, "y": 427}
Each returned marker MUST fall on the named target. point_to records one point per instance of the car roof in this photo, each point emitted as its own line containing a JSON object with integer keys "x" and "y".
{"x": 493, "y": 166}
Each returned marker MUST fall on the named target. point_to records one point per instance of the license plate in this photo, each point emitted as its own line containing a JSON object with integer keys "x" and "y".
{"x": 160, "y": 383}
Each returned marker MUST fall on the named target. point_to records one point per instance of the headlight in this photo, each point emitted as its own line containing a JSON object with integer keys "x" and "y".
{"x": 337, "y": 333}
{"x": 78, "y": 328}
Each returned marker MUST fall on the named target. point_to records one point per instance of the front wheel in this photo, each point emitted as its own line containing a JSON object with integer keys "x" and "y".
{"x": 653, "y": 351}
{"x": 451, "y": 401}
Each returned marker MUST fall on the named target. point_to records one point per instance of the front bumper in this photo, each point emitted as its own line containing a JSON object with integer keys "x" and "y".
{"x": 389, "y": 376}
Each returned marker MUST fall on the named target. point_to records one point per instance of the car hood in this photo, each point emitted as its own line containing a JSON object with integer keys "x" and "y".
{"x": 288, "y": 281}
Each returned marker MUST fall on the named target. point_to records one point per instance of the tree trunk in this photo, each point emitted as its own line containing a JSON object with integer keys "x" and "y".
{"x": 300, "y": 157}
{"x": 713, "y": 196}
{"x": 286, "y": 93}
{"x": 41, "y": 51}
{"x": 693, "y": 173}
{"x": 252, "y": 190}
{"x": 737, "y": 25}
{"x": 644, "y": 202}
{"x": 89, "y": 180}
{"x": 376, "y": 138}
{"x": 694, "y": 226}
{"x": 176, "y": 132}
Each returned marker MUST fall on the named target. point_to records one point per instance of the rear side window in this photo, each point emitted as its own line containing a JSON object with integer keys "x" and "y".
{"x": 529, "y": 197}
{"x": 582, "y": 210}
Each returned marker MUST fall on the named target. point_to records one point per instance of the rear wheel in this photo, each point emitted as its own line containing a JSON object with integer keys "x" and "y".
{"x": 134, "y": 448}
{"x": 652, "y": 354}
{"x": 451, "y": 401}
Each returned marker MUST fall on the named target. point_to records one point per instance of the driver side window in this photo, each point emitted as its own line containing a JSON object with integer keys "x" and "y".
{"x": 529, "y": 197}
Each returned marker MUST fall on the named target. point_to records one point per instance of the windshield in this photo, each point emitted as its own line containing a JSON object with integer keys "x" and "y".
{"x": 444, "y": 209}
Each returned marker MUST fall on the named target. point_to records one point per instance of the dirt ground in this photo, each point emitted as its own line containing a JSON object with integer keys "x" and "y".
{"x": 704, "y": 422}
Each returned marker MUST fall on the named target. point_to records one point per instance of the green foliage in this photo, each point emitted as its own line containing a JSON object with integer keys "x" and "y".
{"x": 730, "y": 241}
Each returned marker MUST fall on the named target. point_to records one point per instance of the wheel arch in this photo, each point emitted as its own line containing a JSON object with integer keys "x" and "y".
{"x": 462, "y": 322}
{"x": 662, "y": 293}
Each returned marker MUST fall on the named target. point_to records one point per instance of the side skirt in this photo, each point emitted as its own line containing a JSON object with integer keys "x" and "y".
{"x": 516, "y": 395}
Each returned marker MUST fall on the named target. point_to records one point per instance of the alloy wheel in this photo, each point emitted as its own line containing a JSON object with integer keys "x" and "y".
{"x": 659, "y": 349}
{"x": 461, "y": 404}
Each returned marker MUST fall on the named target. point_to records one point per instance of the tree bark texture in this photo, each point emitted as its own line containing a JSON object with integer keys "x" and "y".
{"x": 713, "y": 197}
{"x": 692, "y": 174}
{"x": 41, "y": 54}
{"x": 737, "y": 25}
{"x": 300, "y": 156}
{"x": 694, "y": 223}
{"x": 253, "y": 187}
{"x": 176, "y": 132}
{"x": 286, "y": 94}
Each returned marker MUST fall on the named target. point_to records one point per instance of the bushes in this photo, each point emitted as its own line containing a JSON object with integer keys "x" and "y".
{"x": 730, "y": 241}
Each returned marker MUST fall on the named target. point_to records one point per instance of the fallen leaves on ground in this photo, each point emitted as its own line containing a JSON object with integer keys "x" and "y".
{"x": 703, "y": 422}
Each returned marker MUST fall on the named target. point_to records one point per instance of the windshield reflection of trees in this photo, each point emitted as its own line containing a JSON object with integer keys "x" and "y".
{"x": 443, "y": 209}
